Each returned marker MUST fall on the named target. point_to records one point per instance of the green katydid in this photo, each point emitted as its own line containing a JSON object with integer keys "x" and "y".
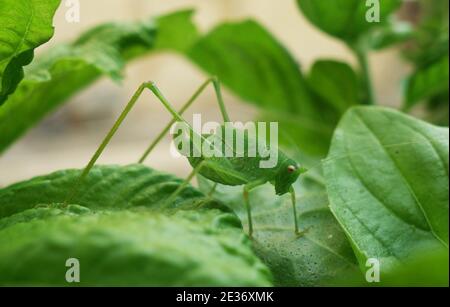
{"x": 235, "y": 171}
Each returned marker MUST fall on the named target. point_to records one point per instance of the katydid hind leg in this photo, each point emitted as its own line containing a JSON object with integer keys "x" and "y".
{"x": 129, "y": 106}
{"x": 218, "y": 90}
{"x": 191, "y": 100}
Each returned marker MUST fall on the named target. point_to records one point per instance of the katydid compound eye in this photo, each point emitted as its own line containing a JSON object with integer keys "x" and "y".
{"x": 291, "y": 168}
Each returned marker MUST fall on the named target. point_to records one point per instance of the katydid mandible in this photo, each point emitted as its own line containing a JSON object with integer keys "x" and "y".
{"x": 237, "y": 171}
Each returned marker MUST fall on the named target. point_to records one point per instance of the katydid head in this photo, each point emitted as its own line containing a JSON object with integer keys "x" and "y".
{"x": 287, "y": 174}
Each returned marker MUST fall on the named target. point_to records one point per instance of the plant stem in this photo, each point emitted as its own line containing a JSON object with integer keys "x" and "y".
{"x": 365, "y": 76}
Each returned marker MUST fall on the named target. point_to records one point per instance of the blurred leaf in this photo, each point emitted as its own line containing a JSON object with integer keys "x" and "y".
{"x": 387, "y": 181}
{"x": 429, "y": 269}
{"x": 390, "y": 34}
{"x": 67, "y": 69}
{"x": 431, "y": 36}
{"x": 336, "y": 83}
{"x": 24, "y": 26}
{"x": 318, "y": 257}
{"x": 423, "y": 269}
{"x": 252, "y": 63}
{"x": 428, "y": 52}
{"x": 438, "y": 109}
{"x": 255, "y": 66}
{"x": 345, "y": 19}
{"x": 301, "y": 133}
{"x": 428, "y": 82}
{"x": 120, "y": 233}
{"x": 176, "y": 31}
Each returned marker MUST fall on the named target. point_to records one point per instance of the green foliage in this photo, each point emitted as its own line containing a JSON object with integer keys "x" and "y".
{"x": 336, "y": 83}
{"x": 254, "y": 64}
{"x": 421, "y": 269}
{"x": 390, "y": 34}
{"x": 431, "y": 35}
{"x": 67, "y": 69}
{"x": 426, "y": 268}
{"x": 383, "y": 193}
{"x": 387, "y": 181}
{"x": 428, "y": 82}
{"x": 24, "y": 26}
{"x": 345, "y": 19}
{"x": 120, "y": 233}
{"x": 428, "y": 52}
{"x": 176, "y": 31}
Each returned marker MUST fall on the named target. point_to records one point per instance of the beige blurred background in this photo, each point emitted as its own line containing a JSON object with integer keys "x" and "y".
{"x": 67, "y": 138}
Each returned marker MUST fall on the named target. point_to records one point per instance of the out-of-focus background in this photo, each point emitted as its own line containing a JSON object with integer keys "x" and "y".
{"x": 67, "y": 138}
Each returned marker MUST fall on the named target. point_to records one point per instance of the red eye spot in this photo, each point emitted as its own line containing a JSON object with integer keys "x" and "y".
{"x": 291, "y": 169}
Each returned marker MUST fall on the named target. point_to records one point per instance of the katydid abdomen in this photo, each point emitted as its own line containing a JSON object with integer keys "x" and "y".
{"x": 219, "y": 158}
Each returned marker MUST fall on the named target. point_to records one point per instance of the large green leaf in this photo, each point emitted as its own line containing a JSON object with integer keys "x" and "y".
{"x": 251, "y": 62}
{"x": 24, "y": 26}
{"x": 387, "y": 181}
{"x": 428, "y": 81}
{"x": 318, "y": 257}
{"x": 345, "y": 19}
{"x": 254, "y": 65}
{"x": 121, "y": 234}
{"x": 67, "y": 69}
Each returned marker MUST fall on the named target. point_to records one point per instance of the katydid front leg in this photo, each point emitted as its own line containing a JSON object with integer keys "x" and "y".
{"x": 182, "y": 186}
{"x": 294, "y": 209}
{"x": 247, "y": 188}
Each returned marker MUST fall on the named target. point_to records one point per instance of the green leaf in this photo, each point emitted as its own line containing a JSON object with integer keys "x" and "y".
{"x": 176, "y": 31}
{"x": 336, "y": 83}
{"x": 387, "y": 181}
{"x": 345, "y": 19}
{"x": 251, "y": 62}
{"x": 428, "y": 269}
{"x": 423, "y": 269}
{"x": 24, "y": 26}
{"x": 67, "y": 69}
{"x": 431, "y": 37}
{"x": 427, "y": 82}
{"x": 390, "y": 34}
{"x": 255, "y": 66}
{"x": 121, "y": 234}
{"x": 318, "y": 257}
